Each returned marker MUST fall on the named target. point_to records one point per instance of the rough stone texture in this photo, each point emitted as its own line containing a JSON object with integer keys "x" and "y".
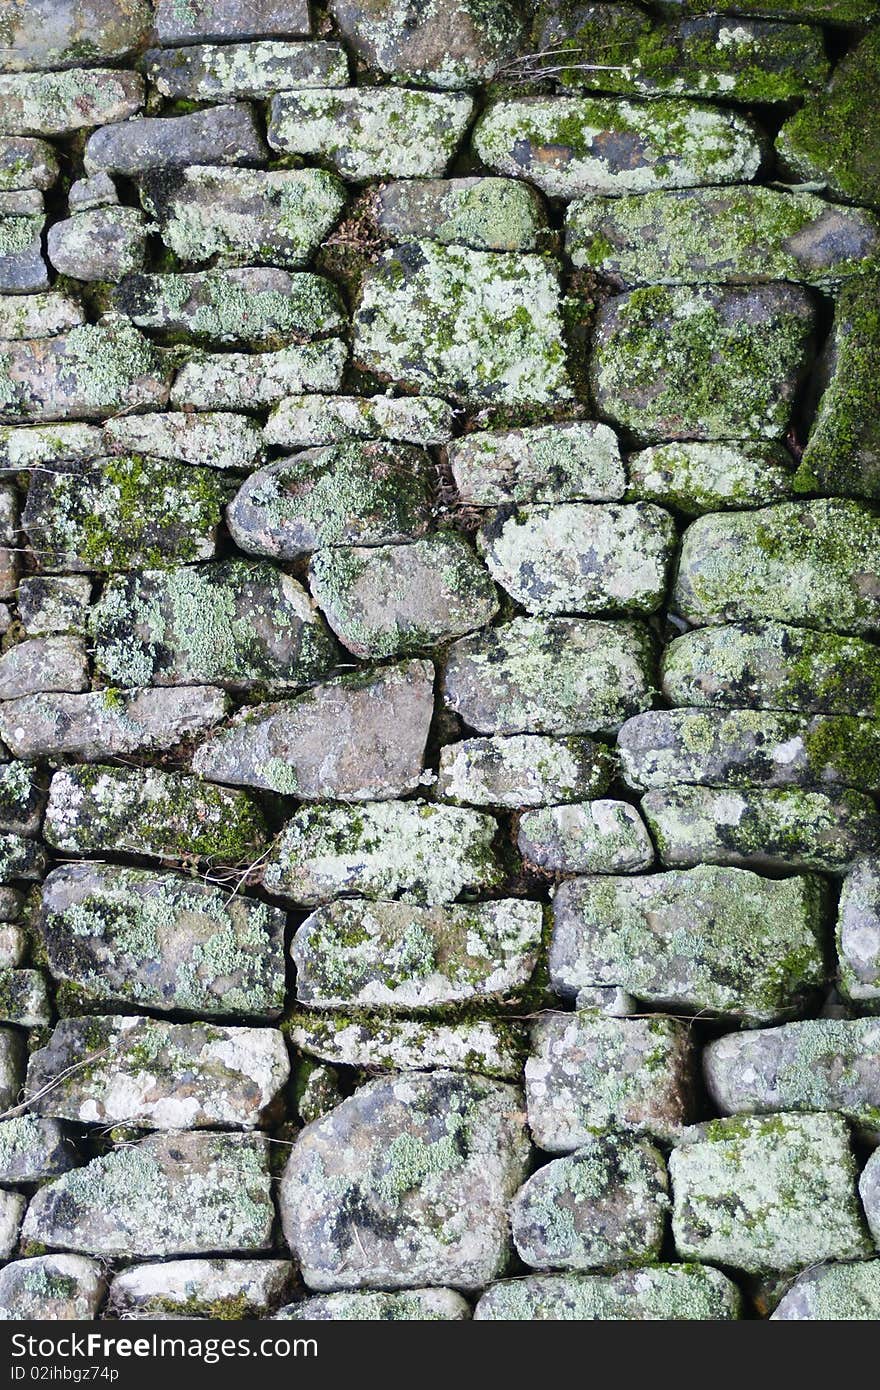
{"x": 22, "y": 268}
{"x": 24, "y": 998}
{"x": 108, "y": 723}
{"x": 413, "y": 1305}
{"x": 219, "y": 135}
{"x": 101, "y": 244}
{"x": 858, "y": 933}
{"x": 487, "y": 214}
{"x": 22, "y": 799}
{"x": 59, "y": 103}
{"x": 32, "y": 1149}
{"x": 667, "y": 1293}
{"x": 712, "y": 939}
{"x": 200, "y": 20}
{"x": 446, "y": 44}
{"x": 12, "y": 1209}
{"x": 215, "y": 439}
{"x": 223, "y": 72}
{"x": 570, "y": 462}
{"x": 411, "y": 1155}
{"x": 12, "y": 1062}
{"x": 62, "y": 33}
{"x": 92, "y": 371}
{"x": 242, "y": 381}
{"x": 44, "y": 663}
{"x": 522, "y": 770}
{"x": 832, "y": 1293}
{"x": 38, "y": 315}
{"x": 301, "y": 422}
{"x": 51, "y": 1287}
{"x": 379, "y": 1043}
{"x": 28, "y": 446}
{"x": 26, "y": 163}
{"x": 869, "y": 1191}
{"x": 225, "y": 1289}
{"x": 696, "y": 477}
{"x": 591, "y": 837}
{"x": 49, "y": 604}
{"x": 403, "y": 957}
{"x": 767, "y": 1194}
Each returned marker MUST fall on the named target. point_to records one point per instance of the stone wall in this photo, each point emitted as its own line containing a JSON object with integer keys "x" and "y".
{"x": 439, "y": 700}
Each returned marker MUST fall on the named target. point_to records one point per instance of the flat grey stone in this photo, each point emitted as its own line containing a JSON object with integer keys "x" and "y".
{"x": 97, "y": 191}
{"x": 51, "y": 604}
{"x": 28, "y": 446}
{"x": 26, "y": 163}
{"x": 60, "y": 103}
{"x": 446, "y": 44}
{"x": 304, "y": 421}
{"x": 379, "y": 1043}
{"x": 44, "y": 663}
{"x": 56, "y": 1287}
{"x": 858, "y": 933}
{"x": 92, "y": 371}
{"x": 201, "y": 1288}
{"x": 230, "y": 19}
{"x": 832, "y": 1293}
{"x": 260, "y": 306}
{"x": 697, "y": 477}
{"x": 248, "y": 381}
{"x": 24, "y": 998}
{"x": 412, "y": 1305}
{"x": 32, "y": 1149}
{"x": 522, "y": 770}
{"x": 215, "y": 439}
{"x": 13, "y": 950}
{"x": 662, "y": 1293}
{"x": 108, "y": 723}
{"x": 20, "y": 857}
{"x": 575, "y": 461}
{"x": 224, "y": 72}
{"x": 103, "y": 244}
{"x": 12, "y": 1209}
{"x": 869, "y": 1191}
{"x": 588, "y": 837}
{"x": 12, "y": 1067}
{"x": 22, "y": 799}
{"x": 487, "y": 214}
{"x": 218, "y": 135}
{"x": 22, "y": 267}
{"x": 60, "y": 34}
{"x": 39, "y": 315}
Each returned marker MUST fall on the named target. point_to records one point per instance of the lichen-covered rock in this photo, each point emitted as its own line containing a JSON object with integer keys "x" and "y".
{"x": 44, "y": 663}
{"x": 32, "y": 1149}
{"x": 218, "y": 1289}
{"x": 224, "y": 72}
{"x": 233, "y": 621}
{"x": 702, "y": 362}
{"x": 298, "y": 747}
{"x": 13, "y": 949}
{"x": 248, "y": 381}
{"x": 832, "y": 1293}
{"x": 51, "y": 604}
{"x": 816, "y": 1064}
{"x": 30, "y": 445}
{"x": 869, "y": 1191}
{"x": 60, "y": 103}
{"x": 598, "y": 1208}
{"x": 842, "y": 453}
{"x": 163, "y": 942}
{"x": 448, "y": 43}
{"x": 217, "y": 135}
{"x": 814, "y": 563}
{"x": 412, "y": 1305}
{"x": 428, "y": 1164}
{"x": 168, "y": 1194}
{"x": 215, "y": 439}
{"x": 770, "y": 665}
{"x": 260, "y": 306}
{"x": 487, "y": 214}
{"x": 97, "y": 191}
{"x": 198, "y": 20}
{"x": 744, "y": 235}
{"x": 135, "y": 810}
{"x": 400, "y": 957}
{"x": 39, "y": 315}
{"x": 764, "y": 1194}
{"x": 578, "y": 558}
{"x": 26, "y": 163}
{"x": 392, "y": 599}
{"x": 569, "y": 146}
{"x": 123, "y": 513}
{"x": 243, "y": 216}
{"x": 108, "y": 723}
{"x": 20, "y": 857}
{"x": 52, "y": 1287}
{"x": 62, "y": 33}
{"x": 383, "y": 849}
{"x": 858, "y": 933}
{"x": 717, "y": 940}
{"x": 371, "y": 132}
{"x": 22, "y": 267}
{"x": 522, "y": 770}
{"x": 576, "y": 461}
{"x": 742, "y": 747}
{"x": 12, "y": 1063}
{"x": 302, "y": 422}
{"x": 833, "y": 12}
{"x": 101, "y": 244}
{"x": 92, "y": 371}
{"x": 10, "y": 539}
{"x": 478, "y": 326}
{"x": 380, "y": 1043}
{"x": 316, "y": 1089}
{"x": 114, "y": 1070}
{"x": 344, "y": 494}
{"x": 588, "y": 1072}
{"x": 590, "y": 837}
{"x": 666, "y": 1293}
{"x": 774, "y": 829}
{"x": 24, "y": 998}
{"x": 12, "y": 1209}
{"x": 696, "y": 477}
{"x": 553, "y": 676}
{"x": 22, "y": 798}
{"x": 831, "y": 140}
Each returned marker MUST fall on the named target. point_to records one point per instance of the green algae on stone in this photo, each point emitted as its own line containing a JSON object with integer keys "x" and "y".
{"x": 771, "y": 665}
{"x": 574, "y": 461}
{"x": 214, "y": 439}
{"x": 722, "y": 475}
{"x": 832, "y": 139}
{"x": 162, "y": 941}
{"x": 857, "y": 935}
{"x": 383, "y": 849}
{"x": 765, "y": 1194}
{"x": 589, "y": 837}
{"x": 776, "y": 829}
{"x": 664, "y": 1293}
{"x": 522, "y": 770}
{"x": 224, "y": 72}
{"x": 399, "y": 957}
{"x": 360, "y": 1305}
{"x": 447, "y": 43}
{"x": 213, "y": 381}
{"x": 487, "y": 214}
{"x": 225, "y": 1290}
{"x": 481, "y": 327}
{"x": 702, "y": 362}
{"x": 60, "y": 103}
{"x": 24, "y": 998}
{"x": 157, "y": 814}
{"x": 717, "y": 940}
{"x": 832, "y": 1293}
{"x": 569, "y": 146}
{"x": 301, "y": 422}
{"x": 489, "y": 1046}
{"x": 814, "y": 563}
{"x": 233, "y": 621}
{"x": 22, "y": 267}
{"x": 123, "y": 513}
{"x": 835, "y": 12}
{"x": 93, "y": 371}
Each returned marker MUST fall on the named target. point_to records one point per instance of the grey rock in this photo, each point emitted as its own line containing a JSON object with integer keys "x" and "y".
{"x": 858, "y": 933}
{"x": 12, "y": 1065}
{"x": 485, "y": 213}
{"x": 412, "y": 1305}
{"x": 56, "y": 1287}
{"x": 522, "y": 770}
{"x": 215, "y": 439}
{"x": 13, "y": 949}
{"x": 765, "y": 1194}
{"x": 869, "y": 1191}
{"x": 201, "y": 1288}
{"x": 569, "y": 462}
{"x": 304, "y": 421}
{"x": 230, "y": 19}
{"x": 157, "y": 1075}
{"x": 22, "y": 268}
{"x": 317, "y": 1090}
{"x": 26, "y": 163}
{"x": 401, "y": 957}
{"x": 832, "y": 1293}
{"x": 97, "y": 191}
{"x": 379, "y": 1043}
{"x": 92, "y": 371}
{"x": 10, "y": 905}
{"x": 416, "y": 1158}
{"x": 60, "y": 103}
{"x": 12, "y": 1209}
{"x": 39, "y": 315}
{"x": 294, "y": 747}
{"x": 44, "y": 663}
{"x": 662, "y": 1293}
{"x": 20, "y": 858}
{"x": 22, "y": 797}
{"x": 104, "y": 244}
{"x": 50, "y": 604}
{"x": 590, "y": 837}
{"x": 446, "y": 44}
{"x": 60, "y": 34}
{"x": 229, "y": 71}
{"x": 390, "y": 599}
{"x": 588, "y": 1073}
{"x": 169, "y": 1194}
{"x": 106, "y": 724}
{"x": 32, "y": 1149}
{"x": 28, "y": 446}
{"x": 24, "y": 998}
{"x": 694, "y": 477}
{"x": 218, "y": 136}
{"x": 10, "y": 542}
{"x": 245, "y": 381}
{"x": 718, "y": 940}
{"x": 383, "y": 849}
{"x": 553, "y": 676}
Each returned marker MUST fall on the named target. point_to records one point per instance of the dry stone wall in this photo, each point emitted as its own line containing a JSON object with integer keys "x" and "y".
{"x": 439, "y": 691}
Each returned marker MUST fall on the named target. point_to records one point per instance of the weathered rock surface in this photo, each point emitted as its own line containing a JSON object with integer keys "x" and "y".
{"x": 20, "y": 857}
{"x": 869, "y": 1191}
{"x": 446, "y": 44}
{"x": 50, "y": 604}
{"x": 52, "y": 1287}
{"x": 413, "y": 1305}
{"x": 24, "y": 998}
{"x": 12, "y": 1064}
{"x": 400, "y": 957}
{"x": 231, "y": 19}
{"x": 61, "y": 34}
{"x": 383, "y": 849}
{"x": 590, "y": 837}
{"x": 22, "y": 799}
{"x": 44, "y": 663}
{"x": 26, "y": 163}
{"x": 163, "y": 942}
{"x": 101, "y": 244}
{"x": 588, "y": 1073}
{"x": 59, "y": 103}
{"x": 39, "y": 315}
{"x": 22, "y": 267}
{"x": 662, "y": 1294}
{"x": 32, "y": 1149}
{"x": 767, "y": 1194}
{"x": 27, "y": 446}
{"x": 224, "y": 72}
{"x": 380, "y": 1043}
{"x": 858, "y": 933}
{"x": 226, "y": 1289}
{"x": 157, "y": 1075}
{"x": 486, "y": 214}
{"x": 570, "y": 462}
{"x": 522, "y": 770}
{"x": 412, "y": 1158}
{"x": 108, "y": 723}
{"x": 695, "y": 477}
{"x": 717, "y": 940}
{"x": 245, "y": 381}
{"x": 215, "y": 439}
{"x": 295, "y": 747}
{"x": 218, "y": 135}
{"x": 169, "y": 1194}
{"x": 92, "y": 371}
{"x": 12, "y": 1209}
{"x": 305, "y": 421}
{"x": 553, "y": 676}
{"x": 832, "y": 1293}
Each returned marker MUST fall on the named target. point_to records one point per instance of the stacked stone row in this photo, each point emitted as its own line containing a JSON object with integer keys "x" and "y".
{"x": 439, "y": 697}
